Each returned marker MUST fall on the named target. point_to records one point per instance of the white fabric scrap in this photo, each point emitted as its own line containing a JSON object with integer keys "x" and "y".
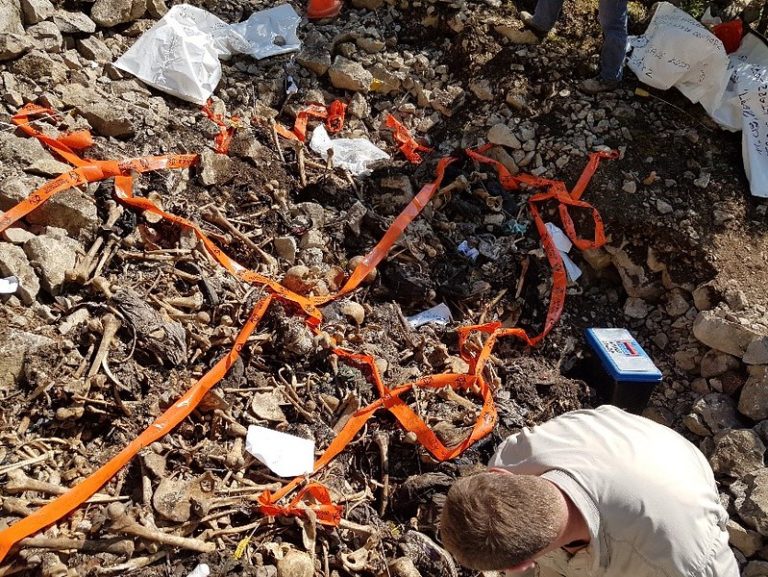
{"x": 354, "y": 154}
{"x": 9, "y": 285}
{"x": 285, "y": 455}
{"x": 439, "y": 314}
{"x": 270, "y": 32}
{"x": 564, "y": 245}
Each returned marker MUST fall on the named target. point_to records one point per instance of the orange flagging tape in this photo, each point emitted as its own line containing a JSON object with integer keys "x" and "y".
{"x": 405, "y": 142}
{"x": 226, "y": 128}
{"x": 333, "y": 115}
{"x": 313, "y": 495}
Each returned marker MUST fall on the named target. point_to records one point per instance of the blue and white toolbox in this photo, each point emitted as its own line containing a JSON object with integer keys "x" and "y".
{"x": 627, "y": 365}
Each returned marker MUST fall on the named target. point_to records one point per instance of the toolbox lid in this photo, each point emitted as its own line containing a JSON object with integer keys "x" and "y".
{"x": 621, "y": 355}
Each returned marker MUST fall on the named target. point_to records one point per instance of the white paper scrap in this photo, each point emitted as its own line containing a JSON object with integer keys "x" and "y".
{"x": 354, "y": 154}
{"x": 564, "y": 245}
{"x": 201, "y": 570}
{"x": 439, "y": 314}
{"x": 286, "y": 455}
{"x": 9, "y": 285}
{"x": 562, "y": 242}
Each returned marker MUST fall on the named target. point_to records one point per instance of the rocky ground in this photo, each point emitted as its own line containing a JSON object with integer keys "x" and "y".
{"x": 685, "y": 269}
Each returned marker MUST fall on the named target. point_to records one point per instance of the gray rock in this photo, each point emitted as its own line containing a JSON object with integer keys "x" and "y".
{"x": 92, "y": 48}
{"x": 52, "y": 258}
{"x": 745, "y": 540}
{"x": 71, "y": 210}
{"x": 714, "y": 363}
{"x": 762, "y": 430}
{"x": 721, "y": 334}
{"x": 47, "y": 36}
{"x": 711, "y": 414}
{"x": 704, "y": 297}
{"x": 16, "y": 235}
{"x": 448, "y": 100}
{"x": 636, "y": 308}
{"x": 753, "y": 401}
{"x": 245, "y": 145}
{"x": 737, "y": 452}
{"x": 753, "y": 509}
{"x": 687, "y": 360}
{"x": 13, "y": 262}
{"x": 73, "y": 22}
{"x": 215, "y": 168}
{"x": 677, "y": 303}
{"x": 10, "y": 17}
{"x": 285, "y": 247}
{"x": 37, "y": 10}
{"x": 757, "y": 352}
{"x": 387, "y": 80}
{"x": 37, "y": 65}
{"x": 15, "y": 345}
{"x": 349, "y": 75}
{"x": 664, "y": 207}
{"x": 316, "y": 60}
{"x": 107, "y": 116}
{"x": 157, "y": 8}
{"x": 503, "y": 135}
{"x": 13, "y": 45}
{"x": 755, "y": 569}
{"x": 32, "y": 157}
{"x": 629, "y": 186}
{"x": 110, "y": 13}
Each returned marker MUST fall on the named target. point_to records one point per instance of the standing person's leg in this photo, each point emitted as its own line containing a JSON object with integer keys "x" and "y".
{"x": 546, "y": 14}
{"x": 613, "y": 19}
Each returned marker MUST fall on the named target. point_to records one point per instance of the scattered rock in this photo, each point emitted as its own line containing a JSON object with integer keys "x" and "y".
{"x": 13, "y": 45}
{"x": 94, "y": 49}
{"x": 636, "y": 308}
{"x": 755, "y": 569}
{"x": 753, "y": 509}
{"x": 71, "y": 210}
{"x": 753, "y": 401}
{"x": 703, "y": 180}
{"x": 13, "y": 262}
{"x": 38, "y": 65}
{"x": 745, "y": 540}
{"x": 52, "y": 258}
{"x": 107, "y": 116}
{"x": 215, "y": 168}
{"x": 629, "y": 186}
{"x": 15, "y": 346}
{"x": 285, "y": 247}
{"x": 33, "y": 158}
{"x": 10, "y": 17}
{"x": 447, "y": 100}
{"x": 296, "y": 564}
{"x": 316, "y": 60}
{"x": 73, "y": 22}
{"x": 157, "y": 8}
{"x": 677, "y": 303}
{"x": 704, "y": 297}
{"x": 47, "y": 36}
{"x": 368, "y": 4}
{"x": 110, "y": 13}
{"x": 757, "y": 352}
{"x": 482, "y": 90}
{"x": 349, "y": 75}
{"x": 664, "y": 207}
{"x": 711, "y": 414}
{"x": 714, "y": 363}
{"x": 737, "y": 452}
{"x": 721, "y": 334}
{"x": 36, "y": 10}
{"x": 503, "y": 135}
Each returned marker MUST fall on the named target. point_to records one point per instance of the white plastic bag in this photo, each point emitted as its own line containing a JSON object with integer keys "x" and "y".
{"x": 285, "y": 455}
{"x": 180, "y": 54}
{"x": 270, "y": 32}
{"x": 678, "y": 51}
{"x": 354, "y": 154}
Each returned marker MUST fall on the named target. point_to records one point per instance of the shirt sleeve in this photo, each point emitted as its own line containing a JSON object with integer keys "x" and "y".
{"x": 506, "y": 454}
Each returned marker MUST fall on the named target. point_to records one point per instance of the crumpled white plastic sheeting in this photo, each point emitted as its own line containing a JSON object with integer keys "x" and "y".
{"x": 270, "y": 32}
{"x": 678, "y": 51}
{"x": 180, "y": 54}
{"x": 354, "y": 154}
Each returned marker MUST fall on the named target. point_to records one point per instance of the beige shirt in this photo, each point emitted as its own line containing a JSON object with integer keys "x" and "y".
{"x": 647, "y": 494}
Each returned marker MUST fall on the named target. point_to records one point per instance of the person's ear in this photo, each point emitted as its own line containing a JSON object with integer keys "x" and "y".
{"x": 521, "y": 567}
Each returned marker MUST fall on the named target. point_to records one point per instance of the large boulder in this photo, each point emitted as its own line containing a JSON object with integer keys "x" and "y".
{"x": 110, "y": 13}
{"x": 711, "y": 414}
{"x": 10, "y": 17}
{"x": 52, "y": 258}
{"x": 723, "y": 335}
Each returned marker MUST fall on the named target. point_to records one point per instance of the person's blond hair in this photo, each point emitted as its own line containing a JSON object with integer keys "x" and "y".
{"x": 494, "y": 521}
